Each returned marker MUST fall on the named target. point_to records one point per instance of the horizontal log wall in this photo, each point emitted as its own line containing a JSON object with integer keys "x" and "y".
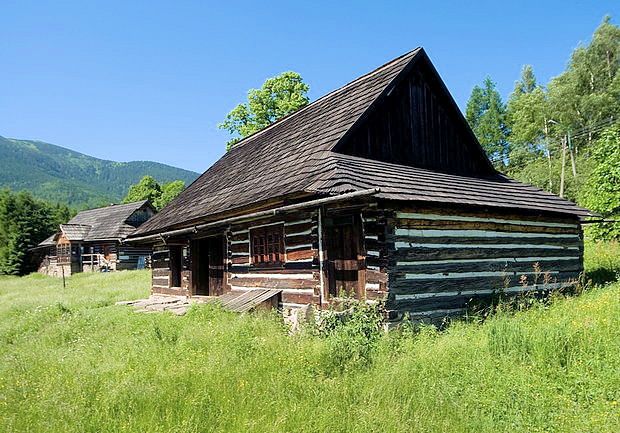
{"x": 375, "y": 233}
{"x": 298, "y": 277}
{"x": 128, "y": 257}
{"x": 441, "y": 260}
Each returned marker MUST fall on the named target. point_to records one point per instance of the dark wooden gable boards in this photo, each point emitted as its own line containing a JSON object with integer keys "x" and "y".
{"x": 417, "y": 123}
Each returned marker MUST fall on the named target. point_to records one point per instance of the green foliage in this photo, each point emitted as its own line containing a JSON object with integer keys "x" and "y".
{"x": 602, "y": 261}
{"x": 146, "y": 189}
{"x": 575, "y": 108}
{"x": 526, "y": 114}
{"x": 588, "y": 92}
{"x": 169, "y": 191}
{"x": 278, "y": 96}
{"x": 24, "y": 222}
{"x": 57, "y": 174}
{"x": 486, "y": 113}
{"x": 351, "y": 337}
{"x": 149, "y": 189}
{"x": 602, "y": 194}
{"x": 72, "y": 361}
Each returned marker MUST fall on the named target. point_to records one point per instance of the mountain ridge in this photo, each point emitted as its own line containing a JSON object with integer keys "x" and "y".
{"x": 58, "y": 174}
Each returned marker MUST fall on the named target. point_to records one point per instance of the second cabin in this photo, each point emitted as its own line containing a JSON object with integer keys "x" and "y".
{"x": 378, "y": 190}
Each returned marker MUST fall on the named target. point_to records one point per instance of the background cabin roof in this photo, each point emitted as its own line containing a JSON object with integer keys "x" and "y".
{"x": 108, "y": 222}
{"x": 296, "y": 156}
{"x": 75, "y": 232}
{"x": 104, "y": 223}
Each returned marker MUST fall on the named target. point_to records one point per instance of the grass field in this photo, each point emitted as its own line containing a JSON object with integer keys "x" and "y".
{"x": 72, "y": 361}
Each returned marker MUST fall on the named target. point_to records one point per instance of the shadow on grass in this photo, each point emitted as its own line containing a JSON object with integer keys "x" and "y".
{"x": 603, "y": 276}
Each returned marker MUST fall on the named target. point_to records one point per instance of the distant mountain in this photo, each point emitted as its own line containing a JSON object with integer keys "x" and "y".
{"x": 58, "y": 174}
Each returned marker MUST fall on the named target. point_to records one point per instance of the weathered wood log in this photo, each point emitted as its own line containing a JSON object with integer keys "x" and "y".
{"x": 274, "y": 283}
{"x": 403, "y": 286}
{"x": 464, "y": 225}
{"x": 477, "y": 265}
{"x": 402, "y": 241}
{"x": 420, "y": 253}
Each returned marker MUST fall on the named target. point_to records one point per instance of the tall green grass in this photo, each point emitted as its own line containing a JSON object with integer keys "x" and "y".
{"x": 72, "y": 361}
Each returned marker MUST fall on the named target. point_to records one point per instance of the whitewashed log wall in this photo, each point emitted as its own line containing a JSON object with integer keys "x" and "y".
{"x": 439, "y": 261}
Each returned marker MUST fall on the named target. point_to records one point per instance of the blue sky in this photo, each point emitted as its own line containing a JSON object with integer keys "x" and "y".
{"x": 131, "y": 80}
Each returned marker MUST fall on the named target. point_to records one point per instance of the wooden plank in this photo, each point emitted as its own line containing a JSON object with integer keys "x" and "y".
{"x": 303, "y": 254}
{"x": 241, "y": 259}
{"x": 471, "y": 265}
{"x": 240, "y": 248}
{"x": 498, "y": 216}
{"x": 405, "y": 241}
{"x": 274, "y": 283}
{"x": 422, "y": 253}
{"x": 304, "y": 226}
{"x": 400, "y": 285}
{"x": 299, "y": 298}
{"x": 303, "y": 239}
{"x": 463, "y": 225}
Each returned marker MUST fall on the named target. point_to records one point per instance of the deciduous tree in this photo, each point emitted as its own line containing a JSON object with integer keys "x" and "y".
{"x": 149, "y": 189}
{"x": 278, "y": 96}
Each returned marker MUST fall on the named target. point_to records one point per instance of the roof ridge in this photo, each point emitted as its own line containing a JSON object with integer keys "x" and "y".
{"x": 281, "y": 120}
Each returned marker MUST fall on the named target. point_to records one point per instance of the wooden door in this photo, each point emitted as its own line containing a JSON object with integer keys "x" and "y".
{"x": 216, "y": 265}
{"x": 345, "y": 262}
{"x": 207, "y": 257}
{"x": 176, "y": 263}
{"x": 200, "y": 267}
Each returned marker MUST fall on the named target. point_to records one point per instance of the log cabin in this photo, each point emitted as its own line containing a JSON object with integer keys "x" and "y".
{"x": 92, "y": 241}
{"x": 377, "y": 190}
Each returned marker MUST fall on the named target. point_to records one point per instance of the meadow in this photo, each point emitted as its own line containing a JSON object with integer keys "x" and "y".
{"x": 72, "y": 361}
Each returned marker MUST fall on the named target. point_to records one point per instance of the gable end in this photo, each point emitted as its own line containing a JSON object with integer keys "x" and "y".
{"x": 417, "y": 123}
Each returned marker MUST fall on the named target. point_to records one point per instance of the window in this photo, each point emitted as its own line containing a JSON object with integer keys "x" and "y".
{"x": 160, "y": 259}
{"x": 267, "y": 244}
{"x": 63, "y": 253}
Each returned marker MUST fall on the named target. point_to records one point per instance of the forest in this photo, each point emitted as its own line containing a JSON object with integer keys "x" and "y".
{"x": 563, "y": 136}
{"x": 25, "y": 221}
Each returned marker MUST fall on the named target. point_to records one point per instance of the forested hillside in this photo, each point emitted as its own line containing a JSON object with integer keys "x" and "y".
{"x": 62, "y": 175}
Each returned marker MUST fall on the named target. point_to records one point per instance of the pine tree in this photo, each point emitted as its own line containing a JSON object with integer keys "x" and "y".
{"x": 486, "y": 114}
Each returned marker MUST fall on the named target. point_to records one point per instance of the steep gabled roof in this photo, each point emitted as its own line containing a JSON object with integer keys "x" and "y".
{"x": 104, "y": 223}
{"x": 108, "y": 222}
{"x": 75, "y": 232}
{"x": 295, "y": 156}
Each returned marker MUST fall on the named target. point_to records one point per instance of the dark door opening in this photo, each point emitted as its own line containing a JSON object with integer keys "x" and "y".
{"x": 176, "y": 263}
{"x": 208, "y": 266}
{"x": 344, "y": 260}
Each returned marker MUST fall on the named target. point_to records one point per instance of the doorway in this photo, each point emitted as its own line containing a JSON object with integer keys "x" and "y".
{"x": 176, "y": 263}
{"x": 345, "y": 262}
{"x": 208, "y": 266}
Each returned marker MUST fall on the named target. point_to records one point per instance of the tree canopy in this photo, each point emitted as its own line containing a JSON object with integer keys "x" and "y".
{"x": 24, "y": 223}
{"x": 278, "y": 96}
{"x": 158, "y": 194}
{"x": 602, "y": 194}
{"x": 486, "y": 113}
{"x": 562, "y": 137}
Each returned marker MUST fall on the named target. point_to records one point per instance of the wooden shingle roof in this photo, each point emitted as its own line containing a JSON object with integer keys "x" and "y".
{"x": 401, "y": 182}
{"x": 295, "y": 156}
{"x": 108, "y": 222}
{"x": 104, "y": 223}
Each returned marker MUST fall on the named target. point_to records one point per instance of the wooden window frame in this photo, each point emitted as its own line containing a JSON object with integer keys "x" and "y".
{"x": 267, "y": 246}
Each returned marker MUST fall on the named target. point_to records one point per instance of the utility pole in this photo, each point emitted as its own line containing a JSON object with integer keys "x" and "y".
{"x": 548, "y": 154}
{"x": 564, "y": 139}
{"x": 572, "y": 157}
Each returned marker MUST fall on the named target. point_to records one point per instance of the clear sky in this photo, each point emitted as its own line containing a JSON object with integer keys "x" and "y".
{"x": 150, "y": 80}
